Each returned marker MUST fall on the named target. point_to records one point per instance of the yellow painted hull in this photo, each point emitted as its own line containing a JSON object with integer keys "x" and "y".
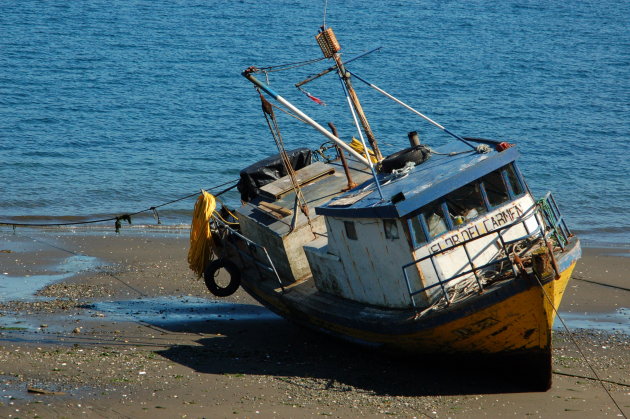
{"x": 519, "y": 323}
{"x": 515, "y": 317}
{"x": 511, "y": 320}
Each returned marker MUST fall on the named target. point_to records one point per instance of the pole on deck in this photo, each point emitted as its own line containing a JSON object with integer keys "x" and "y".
{"x": 346, "y": 169}
{"x": 330, "y": 47}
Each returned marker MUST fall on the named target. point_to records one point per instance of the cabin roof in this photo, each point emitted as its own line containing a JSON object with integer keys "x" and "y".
{"x": 426, "y": 182}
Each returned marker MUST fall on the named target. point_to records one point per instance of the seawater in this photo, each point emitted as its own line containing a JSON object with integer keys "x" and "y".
{"x": 109, "y": 107}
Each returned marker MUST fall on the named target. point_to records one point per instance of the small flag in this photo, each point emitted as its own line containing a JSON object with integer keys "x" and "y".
{"x": 313, "y": 98}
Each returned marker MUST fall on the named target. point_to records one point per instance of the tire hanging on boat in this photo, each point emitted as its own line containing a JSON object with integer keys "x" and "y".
{"x": 211, "y": 271}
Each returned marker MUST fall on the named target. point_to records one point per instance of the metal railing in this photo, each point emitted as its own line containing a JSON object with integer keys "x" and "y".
{"x": 249, "y": 254}
{"x": 555, "y": 221}
{"x": 475, "y": 269}
{"x": 555, "y": 226}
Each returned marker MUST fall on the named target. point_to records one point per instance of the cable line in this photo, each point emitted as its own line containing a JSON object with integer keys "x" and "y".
{"x": 124, "y": 217}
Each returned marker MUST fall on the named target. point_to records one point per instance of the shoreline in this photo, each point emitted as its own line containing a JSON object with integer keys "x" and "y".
{"x": 130, "y": 332}
{"x": 148, "y": 225}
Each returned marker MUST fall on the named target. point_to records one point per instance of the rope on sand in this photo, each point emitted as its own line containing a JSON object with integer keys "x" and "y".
{"x": 601, "y": 382}
{"x": 566, "y": 374}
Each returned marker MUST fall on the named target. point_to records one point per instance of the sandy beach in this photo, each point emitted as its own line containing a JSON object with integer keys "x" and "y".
{"x": 95, "y": 324}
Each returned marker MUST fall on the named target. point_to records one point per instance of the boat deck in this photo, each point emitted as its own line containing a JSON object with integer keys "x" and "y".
{"x": 316, "y": 192}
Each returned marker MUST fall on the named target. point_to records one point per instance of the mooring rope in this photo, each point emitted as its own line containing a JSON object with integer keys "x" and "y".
{"x": 597, "y": 377}
{"x": 566, "y": 374}
{"x": 124, "y": 217}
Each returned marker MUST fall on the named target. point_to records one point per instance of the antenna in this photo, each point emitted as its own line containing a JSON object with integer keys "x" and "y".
{"x": 325, "y": 7}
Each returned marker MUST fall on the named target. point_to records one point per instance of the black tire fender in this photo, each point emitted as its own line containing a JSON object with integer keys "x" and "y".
{"x": 416, "y": 154}
{"x": 209, "y": 276}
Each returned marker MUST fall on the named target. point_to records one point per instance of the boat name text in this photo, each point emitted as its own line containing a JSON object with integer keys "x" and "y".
{"x": 481, "y": 227}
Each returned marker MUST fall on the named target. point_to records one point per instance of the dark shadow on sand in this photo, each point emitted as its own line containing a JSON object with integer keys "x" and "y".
{"x": 262, "y": 343}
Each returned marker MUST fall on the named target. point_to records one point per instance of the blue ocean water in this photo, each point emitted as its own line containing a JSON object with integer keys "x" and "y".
{"x": 109, "y": 107}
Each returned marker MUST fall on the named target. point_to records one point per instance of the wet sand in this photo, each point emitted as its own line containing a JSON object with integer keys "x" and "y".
{"x": 122, "y": 328}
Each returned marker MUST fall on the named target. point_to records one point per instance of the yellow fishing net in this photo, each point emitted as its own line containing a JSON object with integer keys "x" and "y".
{"x": 200, "y": 237}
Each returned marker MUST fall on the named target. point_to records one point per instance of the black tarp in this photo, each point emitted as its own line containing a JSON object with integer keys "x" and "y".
{"x": 267, "y": 170}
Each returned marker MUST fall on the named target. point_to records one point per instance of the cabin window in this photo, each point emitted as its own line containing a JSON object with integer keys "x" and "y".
{"x": 466, "y": 203}
{"x": 495, "y": 188}
{"x": 351, "y": 231}
{"x": 434, "y": 217}
{"x": 391, "y": 229}
{"x": 417, "y": 231}
{"x": 515, "y": 183}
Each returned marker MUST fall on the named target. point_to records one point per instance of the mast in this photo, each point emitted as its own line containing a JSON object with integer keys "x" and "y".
{"x": 330, "y": 47}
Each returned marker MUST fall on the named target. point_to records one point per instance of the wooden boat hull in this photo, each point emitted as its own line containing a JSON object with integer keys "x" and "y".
{"x": 515, "y": 317}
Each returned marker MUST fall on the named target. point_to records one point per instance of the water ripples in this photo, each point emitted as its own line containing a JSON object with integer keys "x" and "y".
{"x": 112, "y": 106}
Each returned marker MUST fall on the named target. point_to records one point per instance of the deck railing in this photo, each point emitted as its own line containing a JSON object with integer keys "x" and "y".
{"x": 555, "y": 226}
{"x": 555, "y": 222}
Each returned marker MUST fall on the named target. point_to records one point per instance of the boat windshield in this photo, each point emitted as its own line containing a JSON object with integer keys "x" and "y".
{"x": 515, "y": 184}
{"x": 465, "y": 203}
{"x": 495, "y": 188}
{"x": 434, "y": 215}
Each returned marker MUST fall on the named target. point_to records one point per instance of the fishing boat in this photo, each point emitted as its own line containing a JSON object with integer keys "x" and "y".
{"x": 425, "y": 251}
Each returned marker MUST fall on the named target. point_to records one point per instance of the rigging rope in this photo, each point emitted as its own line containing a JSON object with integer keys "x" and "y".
{"x": 274, "y": 128}
{"x": 291, "y": 114}
{"x": 289, "y": 66}
{"x": 404, "y": 105}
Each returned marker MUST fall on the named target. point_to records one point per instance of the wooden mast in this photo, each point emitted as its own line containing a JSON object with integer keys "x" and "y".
{"x": 330, "y": 47}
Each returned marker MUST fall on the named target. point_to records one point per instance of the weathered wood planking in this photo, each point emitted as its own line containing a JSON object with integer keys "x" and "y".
{"x": 349, "y": 200}
{"x": 274, "y": 210}
{"x": 303, "y": 176}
